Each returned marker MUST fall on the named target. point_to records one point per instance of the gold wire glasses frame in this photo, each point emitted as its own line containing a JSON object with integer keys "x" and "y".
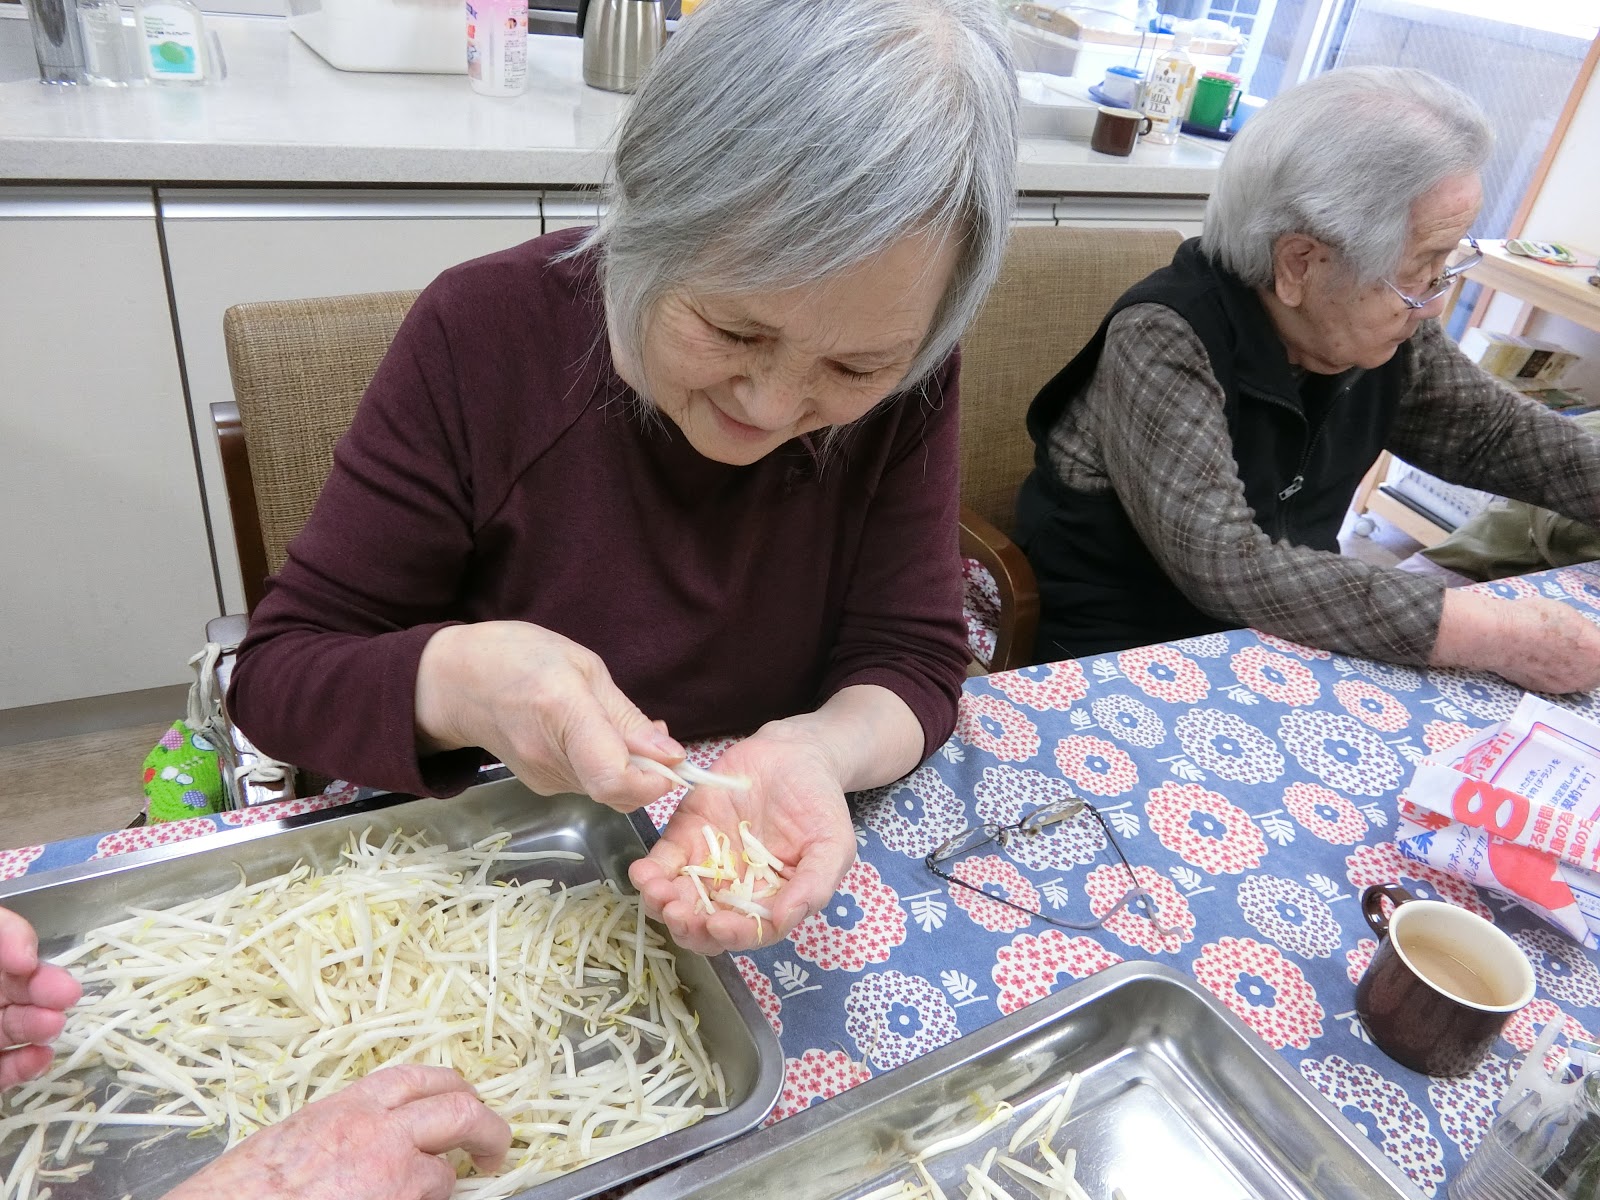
{"x": 1444, "y": 281}
{"x": 1035, "y": 823}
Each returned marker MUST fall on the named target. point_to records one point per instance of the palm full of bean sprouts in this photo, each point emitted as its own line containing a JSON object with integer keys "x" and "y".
{"x": 561, "y": 1005}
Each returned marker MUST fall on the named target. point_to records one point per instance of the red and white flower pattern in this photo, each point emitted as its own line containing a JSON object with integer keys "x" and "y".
{"x": 989, "y": 723}
{"x": 1341, "y": 752}
{"x": 1441, "y": 735}
{"x": 894, "y": 1018}
{"x": 1204, "y": 829}
{"x": 1382, "y": 862}
{"x": 1031, "y": 966}
{"x": 1295, "y": 917}
{"x": 816, "y": 1075}
{"x": 1583, "y": 586}
{"x": 1225, "y": 744}
{"x": 1388, "y": 675}
{"x": 1358, "y": 958}
{"x": 1477, "y": 692}
{"x": 1371, "y": 705}
{"x": 1309, "y": 653}
{"x": 1275, "y": 676}
{"x": 980, "y": 609}
{"x": 1108, "y": 884}
{"x": 1466, "y": 1105}
{"x": 1053, "y": 687}
{"x": 1095, "y": 765}
{"x": 163, "y": 833}
{"x": 916, "y": 815}
{"x": 1004, "y": 795}
{"x": 761, "y": 988}
{"x": 1565, "y": 972}
{"x": 16, "y": 862}
{"x": 1383, "y": 1112}
{"x": 1325, "y": 814}
{"x": 1165, "y": 673}
{"x": 1129, "y": 720}
{"x": 1263, "y": 988}
{"x": 861, "y": 924}
{"x": 703, "y": 753}
{"x": 992, "y": 871}
{"x": 1513, "y": 588}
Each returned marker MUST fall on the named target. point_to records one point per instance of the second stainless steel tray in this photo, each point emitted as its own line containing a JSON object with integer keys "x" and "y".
{"x": 1177, "y": 1099}
{"x": 62, "y": 904}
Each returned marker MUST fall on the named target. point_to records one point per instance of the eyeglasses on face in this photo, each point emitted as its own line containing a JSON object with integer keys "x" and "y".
{"x": 1460, "y": 263}
{"x": 1034, "y": 824}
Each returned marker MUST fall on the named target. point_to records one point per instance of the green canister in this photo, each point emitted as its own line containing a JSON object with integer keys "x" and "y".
{"x": 1214, "y": 99}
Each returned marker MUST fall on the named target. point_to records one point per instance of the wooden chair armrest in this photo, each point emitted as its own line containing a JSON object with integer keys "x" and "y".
{"x": 1019, "y": 591}
{"x": 241, "y": 500}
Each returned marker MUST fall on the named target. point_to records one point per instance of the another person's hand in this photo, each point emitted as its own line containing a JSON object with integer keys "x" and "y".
{"x": 1537, "y": 644}
{"x": 34, "y": 997}
{"x": 378, "y": 1139}
{"x": 544, "y": 706}
{"x": 795, "y": 806}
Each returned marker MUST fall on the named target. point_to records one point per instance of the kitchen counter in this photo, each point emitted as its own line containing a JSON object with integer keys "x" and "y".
{"x": 285, "y": 116}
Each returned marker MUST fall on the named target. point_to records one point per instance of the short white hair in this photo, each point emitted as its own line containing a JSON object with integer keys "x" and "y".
{"x": 775, "y": 143}
{"x": 1342, "y": 158}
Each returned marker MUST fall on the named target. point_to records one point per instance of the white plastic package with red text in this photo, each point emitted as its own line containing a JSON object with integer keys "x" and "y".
{"x": 1516, "y": 808}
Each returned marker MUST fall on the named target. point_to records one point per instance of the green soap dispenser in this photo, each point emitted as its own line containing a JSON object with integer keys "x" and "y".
{"x": 172, "y": 41}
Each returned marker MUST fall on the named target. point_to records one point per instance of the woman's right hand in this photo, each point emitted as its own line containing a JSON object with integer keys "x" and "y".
{"x": 543, "y": 705}
{"x": 1537, "y": 644}
{"x": 378, "y": 1139}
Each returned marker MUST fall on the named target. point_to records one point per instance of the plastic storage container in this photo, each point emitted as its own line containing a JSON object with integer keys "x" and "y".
{"x": 422, "y": 36}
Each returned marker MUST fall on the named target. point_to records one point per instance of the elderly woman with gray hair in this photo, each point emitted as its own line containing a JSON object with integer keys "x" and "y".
{"x": 1196, "y": 460}
{"x": 692, "y": 473}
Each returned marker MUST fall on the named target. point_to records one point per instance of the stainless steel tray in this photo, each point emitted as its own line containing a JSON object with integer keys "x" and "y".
{"x": 1177, "y": 1099}
{"x": 62, "y": 904}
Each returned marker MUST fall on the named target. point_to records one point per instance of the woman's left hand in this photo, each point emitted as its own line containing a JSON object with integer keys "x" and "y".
{"x": 795, "y": 806}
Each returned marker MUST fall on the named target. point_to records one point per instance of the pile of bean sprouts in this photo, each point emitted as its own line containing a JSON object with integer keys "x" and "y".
{"x": 223, "y": 1015}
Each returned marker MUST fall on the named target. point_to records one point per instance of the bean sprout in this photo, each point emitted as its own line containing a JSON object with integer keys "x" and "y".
{"x": 561, "y": 1005}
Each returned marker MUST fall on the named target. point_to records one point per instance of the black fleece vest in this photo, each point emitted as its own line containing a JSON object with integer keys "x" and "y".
{"x": 1100, "y": 588}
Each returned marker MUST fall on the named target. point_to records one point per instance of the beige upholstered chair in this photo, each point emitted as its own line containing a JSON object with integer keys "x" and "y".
{"x": 1054, "y": 289}
{"x": 299, "y": 368}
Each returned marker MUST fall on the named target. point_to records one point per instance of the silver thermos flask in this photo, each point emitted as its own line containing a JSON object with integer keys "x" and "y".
{"x": 621, "y": 38}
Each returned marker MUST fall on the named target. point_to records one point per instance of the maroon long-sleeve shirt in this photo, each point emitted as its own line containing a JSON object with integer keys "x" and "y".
{"x": 497, "y": 468}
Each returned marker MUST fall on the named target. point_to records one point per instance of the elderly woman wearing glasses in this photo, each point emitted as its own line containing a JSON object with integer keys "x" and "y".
{"x": 1196, "y": 460}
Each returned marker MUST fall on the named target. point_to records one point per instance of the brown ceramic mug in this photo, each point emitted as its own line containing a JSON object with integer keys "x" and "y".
{"x": 1442, "y": 984}
{"x": 1116, "y": 130}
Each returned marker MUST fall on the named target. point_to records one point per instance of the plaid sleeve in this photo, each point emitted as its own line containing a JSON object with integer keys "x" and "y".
{"x": 1462, "y": 424}
{"x": 1157, "y": 412}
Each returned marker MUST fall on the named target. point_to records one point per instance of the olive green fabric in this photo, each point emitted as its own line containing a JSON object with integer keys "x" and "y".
{"x": 1513, "y": 538}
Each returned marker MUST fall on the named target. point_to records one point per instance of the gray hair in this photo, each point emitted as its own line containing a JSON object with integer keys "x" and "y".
{"x": 775, "y": 143}
{"x": 1342, "y": 158}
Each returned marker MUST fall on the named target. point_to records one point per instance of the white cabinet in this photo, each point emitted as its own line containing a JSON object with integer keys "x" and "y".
{"x": 1034, "y": 210}
{"x": 227, "y": 247}
{"x": 563, "y": 210}
{"x": 107, "y": 576}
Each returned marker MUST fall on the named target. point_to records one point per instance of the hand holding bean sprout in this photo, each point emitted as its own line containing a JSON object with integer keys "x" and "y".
{"x": 794, "y": 809}
{"x": 543, "y": 705}
{"x": 378, "y": 1139}
{"x": 33, "y": 997}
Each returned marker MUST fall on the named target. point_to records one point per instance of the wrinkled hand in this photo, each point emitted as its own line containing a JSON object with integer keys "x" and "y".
{"x": 378, "y": 1139}
{"x": 544, "y": 706}
{"x": 1552, "y": 648}
{"x": 797, "y": 809}
{"x": 34, "y": 997}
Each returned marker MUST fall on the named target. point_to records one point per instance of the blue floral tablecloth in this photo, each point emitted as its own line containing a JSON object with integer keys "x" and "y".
{"x": 1251, "y": 781}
